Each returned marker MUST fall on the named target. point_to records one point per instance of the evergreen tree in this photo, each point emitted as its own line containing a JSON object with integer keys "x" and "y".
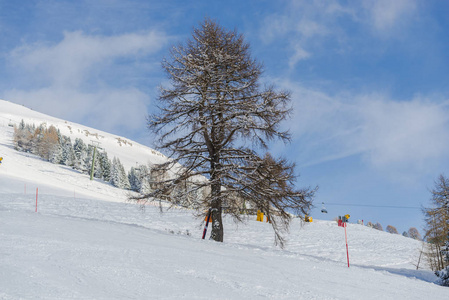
{"x": 105, "y": 165}
{"x": 134, "y": 179}
{"x": 145, "y": 178}
{"x": 22, "y": 125}
{"x": 124, "y": 177}
{"x": 88, "y": 158}
{"x": 118, "y": 175}
{"x": 68, "y": 155}
{"x": 115, "y": 178}
{"x": 56, "y": 154}
{"x": 80, "y": 152}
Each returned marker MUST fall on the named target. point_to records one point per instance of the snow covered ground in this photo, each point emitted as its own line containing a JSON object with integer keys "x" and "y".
{"x": 87, "y": 242}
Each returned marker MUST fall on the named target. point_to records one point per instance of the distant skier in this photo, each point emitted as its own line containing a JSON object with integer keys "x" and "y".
{"x": 1, "y": 158}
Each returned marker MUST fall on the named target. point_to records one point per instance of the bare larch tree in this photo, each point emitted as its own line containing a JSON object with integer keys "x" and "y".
{"x": 213, "y": 118}
{"x": 437, "y": 224}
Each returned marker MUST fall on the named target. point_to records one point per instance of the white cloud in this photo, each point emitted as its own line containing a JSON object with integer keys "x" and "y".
{"x": 404, "y": 133}
{"x": 396, "y": 137}
{"x": 70, "y": 78}
{"x": 70, "y": 61}
{"x": 274, "y": 25}
{"x": 302, "y": 24}
{"x": 299, "y": 54}
{"x": 385, "y": 15}
{"x": 311, "y": 24}
{"x": 311, "y": 28}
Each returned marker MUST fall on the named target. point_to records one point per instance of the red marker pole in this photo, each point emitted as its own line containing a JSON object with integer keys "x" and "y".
{"x": 346, "y": 239}
{"x": 207, "y": 223}
{"x": 36, "y": 199}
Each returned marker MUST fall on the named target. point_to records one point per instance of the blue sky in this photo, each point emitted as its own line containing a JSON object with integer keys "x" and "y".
{"x": 369, "y": 83}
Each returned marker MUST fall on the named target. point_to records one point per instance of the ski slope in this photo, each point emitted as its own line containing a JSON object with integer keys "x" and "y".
{"x": 87, "y": 242}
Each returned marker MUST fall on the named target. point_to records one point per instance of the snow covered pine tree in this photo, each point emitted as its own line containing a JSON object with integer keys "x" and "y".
{"x": 216, "y": 121}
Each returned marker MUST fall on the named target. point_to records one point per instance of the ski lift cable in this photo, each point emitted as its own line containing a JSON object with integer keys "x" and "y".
{"x": 370, "y": 205}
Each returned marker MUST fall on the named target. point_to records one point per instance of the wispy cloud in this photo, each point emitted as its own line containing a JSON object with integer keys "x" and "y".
{"x": 310, "y": 25}
{"x": 72, "y": 78}
{"x": 299, "y": 54}
{"x": 389, "y": 135}
{"x": 70, "y": 61}
{"x": 385, "y": 16}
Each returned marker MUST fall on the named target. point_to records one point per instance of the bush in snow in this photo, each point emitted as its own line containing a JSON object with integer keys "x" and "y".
{"x": 378, "y": 226}
{"x": 443, "y": 276}
{"x": 414, "y": 234}
{"x": 392, "y": 229}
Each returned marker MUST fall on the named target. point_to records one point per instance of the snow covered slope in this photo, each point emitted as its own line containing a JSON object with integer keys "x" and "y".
{"x": 128, "y": 151}
{"x": 86, "y": 242}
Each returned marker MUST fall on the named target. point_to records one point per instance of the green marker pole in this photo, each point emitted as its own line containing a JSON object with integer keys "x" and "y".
{"x": 93, "y": 164}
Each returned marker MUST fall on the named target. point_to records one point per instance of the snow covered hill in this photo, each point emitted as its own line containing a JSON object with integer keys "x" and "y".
{"x": 128, "y": 151}
{"x": 87, "y": 242}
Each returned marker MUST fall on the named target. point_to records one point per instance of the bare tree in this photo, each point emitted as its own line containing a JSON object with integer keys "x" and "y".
{"x": 213, "y": 120}
{"x": 414, "y": 234}
{"x": 378, "y": 226}
{"x": 392, "y": 229}
{"x": 437, "y": 223}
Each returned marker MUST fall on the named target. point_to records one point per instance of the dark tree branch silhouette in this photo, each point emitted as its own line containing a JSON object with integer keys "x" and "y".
{"x": 213, "y": 118}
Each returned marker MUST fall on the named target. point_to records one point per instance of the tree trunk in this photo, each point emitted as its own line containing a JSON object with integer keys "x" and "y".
{"x": 217, "y": 221}
{"x": 217, "y": 224}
